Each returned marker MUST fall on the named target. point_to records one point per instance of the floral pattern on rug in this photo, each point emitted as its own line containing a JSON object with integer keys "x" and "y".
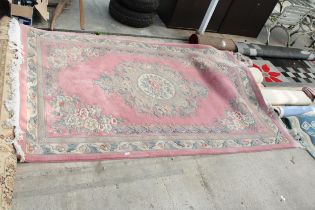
{"x": 71, "y": 55}
{"x": 237, "y": 121}
{"x": 150, "y": 89}
{"x": 75, "y": 117}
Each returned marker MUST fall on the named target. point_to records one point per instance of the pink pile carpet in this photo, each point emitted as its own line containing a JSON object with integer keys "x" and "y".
{"x": 85, "y": 97}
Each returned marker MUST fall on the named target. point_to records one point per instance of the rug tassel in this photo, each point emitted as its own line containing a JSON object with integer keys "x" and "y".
{"x": 12, "y": 104}
{"x": 19, "y": 151}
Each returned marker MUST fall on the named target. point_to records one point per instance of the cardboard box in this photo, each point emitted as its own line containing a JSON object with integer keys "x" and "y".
{"x": 24, "y": 14}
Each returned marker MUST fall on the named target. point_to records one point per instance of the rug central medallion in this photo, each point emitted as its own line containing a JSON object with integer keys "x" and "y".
{"x": 150, "y": 89}
{"x": 155, "y": 86}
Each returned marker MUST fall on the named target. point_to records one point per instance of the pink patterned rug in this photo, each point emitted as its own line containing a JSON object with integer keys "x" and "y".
{"x": 85, "y": 97}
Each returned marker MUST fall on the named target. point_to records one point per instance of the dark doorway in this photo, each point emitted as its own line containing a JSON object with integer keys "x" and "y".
{"x": 247, "y": 17}
{"x": 240, "y": 17}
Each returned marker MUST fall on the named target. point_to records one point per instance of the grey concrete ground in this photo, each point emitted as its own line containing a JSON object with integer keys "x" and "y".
{"x": 99, "y": 20}
{"x": 282, "y": 179}
{"x": 265, "y": 180}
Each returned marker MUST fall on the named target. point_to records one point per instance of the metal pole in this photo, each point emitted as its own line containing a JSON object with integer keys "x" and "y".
{"x": 208, "y": 16}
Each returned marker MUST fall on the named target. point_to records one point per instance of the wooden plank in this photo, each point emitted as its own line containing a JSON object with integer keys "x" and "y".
{"x": 82, "y": 19}
{"x": 60, "y": 7}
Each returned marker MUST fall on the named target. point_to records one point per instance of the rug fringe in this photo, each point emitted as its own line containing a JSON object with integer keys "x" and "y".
{"x": 12, "y": 104}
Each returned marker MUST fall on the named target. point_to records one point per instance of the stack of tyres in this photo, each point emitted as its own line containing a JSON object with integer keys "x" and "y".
{"x": 136, "y": 13}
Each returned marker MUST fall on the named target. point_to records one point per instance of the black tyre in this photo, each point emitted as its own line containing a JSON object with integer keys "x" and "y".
{"x": 144, "y": 6}
{"x": 129, "y": 17}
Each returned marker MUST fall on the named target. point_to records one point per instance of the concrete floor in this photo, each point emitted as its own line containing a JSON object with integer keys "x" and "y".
{"x": 98, "y": 19}
{"x": 265, "y": 180}
{"x": 281, "y": 179}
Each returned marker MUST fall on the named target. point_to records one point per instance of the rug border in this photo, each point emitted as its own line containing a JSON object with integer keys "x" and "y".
{"x": 152, "y": 154}
{"x": 264, "y": 106}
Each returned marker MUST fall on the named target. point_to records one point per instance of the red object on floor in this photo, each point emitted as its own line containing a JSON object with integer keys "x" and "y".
{"x": 268, "y": 75}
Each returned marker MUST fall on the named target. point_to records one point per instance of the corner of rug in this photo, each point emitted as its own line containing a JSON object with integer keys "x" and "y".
{"x": 12, "y": 103}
